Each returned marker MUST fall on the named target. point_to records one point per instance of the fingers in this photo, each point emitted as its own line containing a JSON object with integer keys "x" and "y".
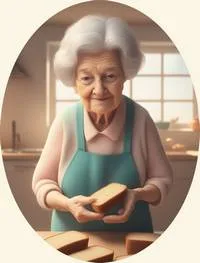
{"x": 77, "y": 208}
{"x": 85, "y": 215}
{"x": 86, "y": 200}
{"x": 82, "y": 214}
{"x": 92, "y": 215}
{"x": 123, "y": 214}
{"x": 114, "y": 219}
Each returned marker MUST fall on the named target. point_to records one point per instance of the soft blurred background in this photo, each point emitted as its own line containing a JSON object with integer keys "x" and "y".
{"x": 33, "y": 98}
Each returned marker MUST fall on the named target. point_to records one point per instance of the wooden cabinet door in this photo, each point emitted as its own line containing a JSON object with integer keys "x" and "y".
{"x": 164, "y": 214}
{"x": 19, "y": 175}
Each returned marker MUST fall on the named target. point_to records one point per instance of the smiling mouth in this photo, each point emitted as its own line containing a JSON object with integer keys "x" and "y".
{"x": 101, "y": 99}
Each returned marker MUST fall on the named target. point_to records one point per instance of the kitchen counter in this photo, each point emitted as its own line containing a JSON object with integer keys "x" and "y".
{"x": 20, "y": 156}
{"x": 172, "y": 155}
{"x": 182, "y": 155}
{"x": 111, "y": 240}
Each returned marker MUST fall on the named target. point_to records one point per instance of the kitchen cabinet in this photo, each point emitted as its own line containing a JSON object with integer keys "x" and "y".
{"x": 19, "y": 174}
{"x": 164, "y": 214}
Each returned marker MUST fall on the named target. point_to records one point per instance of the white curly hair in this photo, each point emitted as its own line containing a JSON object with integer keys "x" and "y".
{"x": 94, "y": 33}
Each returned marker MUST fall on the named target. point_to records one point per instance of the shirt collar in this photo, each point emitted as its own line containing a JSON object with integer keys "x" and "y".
{"x": 113, "y": 131}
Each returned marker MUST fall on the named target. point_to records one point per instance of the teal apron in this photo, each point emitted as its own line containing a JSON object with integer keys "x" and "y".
{"x": 88, "y": 172}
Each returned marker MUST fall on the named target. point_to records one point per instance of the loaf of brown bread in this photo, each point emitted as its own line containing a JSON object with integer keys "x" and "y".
{"x": 94, "y": 254}
{"x": 135, "y": 242}
{"x": 69, "y": 242}
{"x": 108, "y": 196}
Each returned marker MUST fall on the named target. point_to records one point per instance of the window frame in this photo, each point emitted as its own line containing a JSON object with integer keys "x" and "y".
{"x": 166, "y": 47}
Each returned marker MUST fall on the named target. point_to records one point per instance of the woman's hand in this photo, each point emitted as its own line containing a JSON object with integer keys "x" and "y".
{"x": 149, "y": 193}
{"x": 124, "y": 213}
{"x": 82, "y": 215}
{"x": 75, "y": 205}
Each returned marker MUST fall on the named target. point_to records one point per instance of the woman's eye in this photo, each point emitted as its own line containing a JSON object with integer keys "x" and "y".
{"x": 110, "y": 77}
{"x": 86, "y": 79}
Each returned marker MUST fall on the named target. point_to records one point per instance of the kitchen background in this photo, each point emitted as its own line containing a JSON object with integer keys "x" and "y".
{"x": 33, "y": 97}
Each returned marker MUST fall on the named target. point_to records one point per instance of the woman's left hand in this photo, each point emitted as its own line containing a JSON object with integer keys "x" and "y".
{"x": 124, "y": 213}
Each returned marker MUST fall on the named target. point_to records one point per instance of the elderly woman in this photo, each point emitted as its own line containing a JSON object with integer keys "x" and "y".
{"x": 104, "y": 138}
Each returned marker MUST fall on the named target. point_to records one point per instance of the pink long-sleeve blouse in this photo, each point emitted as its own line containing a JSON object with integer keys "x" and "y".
{"x": 152, "y": 164}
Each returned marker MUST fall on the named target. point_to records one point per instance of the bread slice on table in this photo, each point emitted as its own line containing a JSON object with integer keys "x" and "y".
{"x": 69, "y": 242}
{"x": 108, "y": 196}
{"x": 94, "y": 254}
{"x": 135, "y": 242}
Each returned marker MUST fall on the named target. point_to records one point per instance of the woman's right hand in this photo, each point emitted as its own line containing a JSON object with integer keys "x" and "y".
{"x": 76, "y": 206}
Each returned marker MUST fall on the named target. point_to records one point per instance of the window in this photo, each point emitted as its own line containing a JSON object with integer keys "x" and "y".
{"x": 163, "y": 86}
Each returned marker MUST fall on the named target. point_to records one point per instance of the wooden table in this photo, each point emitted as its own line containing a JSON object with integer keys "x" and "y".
{"x": 114, "y": 241}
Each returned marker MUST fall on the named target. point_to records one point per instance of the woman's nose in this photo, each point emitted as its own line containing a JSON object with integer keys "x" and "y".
{"x": 99, "y": 88}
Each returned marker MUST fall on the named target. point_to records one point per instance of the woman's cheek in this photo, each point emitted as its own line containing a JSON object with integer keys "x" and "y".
{"x": 85, "y": 90}
{"x": 117, "y": 90}
{"x": 84, "y": 93}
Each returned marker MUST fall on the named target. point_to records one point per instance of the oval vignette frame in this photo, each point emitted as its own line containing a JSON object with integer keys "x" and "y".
{"x": 135, "y": 6}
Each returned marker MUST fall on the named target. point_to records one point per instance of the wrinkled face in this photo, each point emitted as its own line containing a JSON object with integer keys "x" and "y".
{"x": 99, "y": 81}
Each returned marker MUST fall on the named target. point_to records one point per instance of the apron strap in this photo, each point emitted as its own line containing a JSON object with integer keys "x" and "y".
{"x": 129, "y": 120}
{"x": 80, "y": 127}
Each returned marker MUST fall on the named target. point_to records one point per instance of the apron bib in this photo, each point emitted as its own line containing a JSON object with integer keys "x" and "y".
{"x": 88, "y": 172}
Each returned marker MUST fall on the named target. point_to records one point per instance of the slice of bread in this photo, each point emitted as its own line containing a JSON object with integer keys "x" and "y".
{"x": 69, "y": 242}
{"x": 135, "y": 242}
{"x": 94, "y": 254}
{"x": 108, "y": 196}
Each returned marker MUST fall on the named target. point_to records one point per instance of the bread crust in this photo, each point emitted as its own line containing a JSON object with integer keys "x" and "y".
{"x": 108, "y": 196}
{"x": 69, "y": 242}
{"x": 135, "y": 242}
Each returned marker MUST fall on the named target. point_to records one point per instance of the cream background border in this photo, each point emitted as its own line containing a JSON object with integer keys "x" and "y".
{"x": 18, "y": 21}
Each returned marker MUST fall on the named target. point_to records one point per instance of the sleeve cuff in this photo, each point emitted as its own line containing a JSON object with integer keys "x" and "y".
{"x": 163, "y": 187}
{"x": 43, "y": 189}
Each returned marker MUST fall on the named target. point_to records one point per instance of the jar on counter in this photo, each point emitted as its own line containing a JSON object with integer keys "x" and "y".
{"x": 195, "y": 125}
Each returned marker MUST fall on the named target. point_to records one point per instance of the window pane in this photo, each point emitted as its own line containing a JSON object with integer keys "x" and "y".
{"x": 146, "y": 88}
{"x": 174, "y": 64}
{"x": 154, "y": 109}
{"x": 64, "y": 93}
{"x": 182, "y": 110}
{"x": 178, "y": 88}
{"x": 126, "y": 89}
{"x": 152, "y": 64}
{"x": 60, "y": 106}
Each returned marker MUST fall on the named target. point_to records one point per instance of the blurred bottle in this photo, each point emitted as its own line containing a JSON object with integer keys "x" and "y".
{"x": 173, "y": 123}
